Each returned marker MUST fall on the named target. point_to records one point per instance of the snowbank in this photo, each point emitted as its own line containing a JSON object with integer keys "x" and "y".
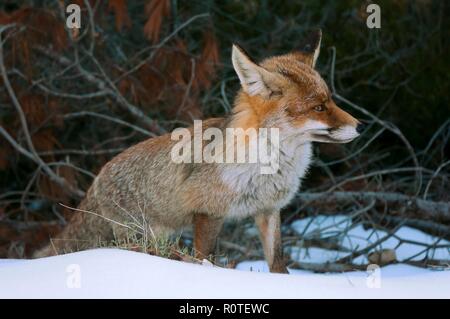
{"x": 113, "y": 273}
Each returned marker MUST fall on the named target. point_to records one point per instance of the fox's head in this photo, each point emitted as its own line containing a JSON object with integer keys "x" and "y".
{"x": 287, "y": 89}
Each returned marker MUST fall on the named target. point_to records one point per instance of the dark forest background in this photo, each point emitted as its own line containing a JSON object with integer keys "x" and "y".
{"x": 70, "y": 100}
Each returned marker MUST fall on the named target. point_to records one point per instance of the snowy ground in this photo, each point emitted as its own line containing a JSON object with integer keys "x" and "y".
{"x": 114, "y": 273}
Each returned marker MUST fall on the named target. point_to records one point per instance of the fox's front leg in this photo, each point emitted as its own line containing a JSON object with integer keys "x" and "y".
{"x": 270, "y": 233}
{"x": 206, "y": 229}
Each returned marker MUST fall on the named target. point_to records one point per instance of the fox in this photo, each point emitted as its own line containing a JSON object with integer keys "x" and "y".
{"x": 144, "y": 183}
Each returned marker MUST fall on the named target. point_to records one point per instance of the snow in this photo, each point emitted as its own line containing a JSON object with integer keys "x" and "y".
{"x": 114, "y": 273}
{"x": 317, "y": 255}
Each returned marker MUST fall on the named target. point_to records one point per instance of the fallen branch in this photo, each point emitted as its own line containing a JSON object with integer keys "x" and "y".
{"x": 334, "y": 267}
{"x": 426, "y": 226}
{"x": 326, "y": 267}
{"x": 426, "y": 209}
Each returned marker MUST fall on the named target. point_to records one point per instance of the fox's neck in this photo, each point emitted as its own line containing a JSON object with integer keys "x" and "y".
{"x": 251, "y": 112}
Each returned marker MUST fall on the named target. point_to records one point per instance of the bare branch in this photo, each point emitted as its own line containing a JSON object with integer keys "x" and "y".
{"x": 32, "y": 153}
{"x": 438, "y": 211}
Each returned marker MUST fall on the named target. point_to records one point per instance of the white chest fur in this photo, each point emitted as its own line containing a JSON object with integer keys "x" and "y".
{"x": 256, "y": 192}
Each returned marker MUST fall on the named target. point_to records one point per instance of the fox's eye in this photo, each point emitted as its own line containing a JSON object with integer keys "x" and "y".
{"x": 319, "y": 108}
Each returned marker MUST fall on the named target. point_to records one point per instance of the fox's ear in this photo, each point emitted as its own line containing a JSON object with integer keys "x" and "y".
{"x": 255, "y": 79}
{"x": 310, "y": 47}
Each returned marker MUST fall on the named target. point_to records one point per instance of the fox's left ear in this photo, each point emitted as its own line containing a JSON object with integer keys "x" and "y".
{"x": 255, "y": 79}
{"x": 310, "y": 48}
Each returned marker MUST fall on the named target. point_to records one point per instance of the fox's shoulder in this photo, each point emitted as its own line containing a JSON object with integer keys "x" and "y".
{"x": 217, "y": 122}
{"x": 161, "y": 144}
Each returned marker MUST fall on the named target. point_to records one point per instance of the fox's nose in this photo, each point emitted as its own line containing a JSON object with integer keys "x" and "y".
{"x": 360, "y": 128}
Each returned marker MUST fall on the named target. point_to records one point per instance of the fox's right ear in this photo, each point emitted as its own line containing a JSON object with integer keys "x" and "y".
{"x": 310, "y": 47}
{"x": 255, "y": 79}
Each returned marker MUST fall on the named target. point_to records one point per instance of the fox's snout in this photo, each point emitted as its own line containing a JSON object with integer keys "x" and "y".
{"x": 344, "y": 127}
{"x": 343, "y": 134}
{"x": 328, "y": 124}
{"x": 347, "y": 132}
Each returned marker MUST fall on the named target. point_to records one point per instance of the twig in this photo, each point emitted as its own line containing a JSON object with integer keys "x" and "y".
{"x": 159, "y": 45}
{"x": 101, "y": 216}
{"x": 109, "y": 118}
{"x": 388, "y": 126}
{"x": 103, "y": 87}
{"x": 368, "y": 248}
{"x": 433, "y": 176}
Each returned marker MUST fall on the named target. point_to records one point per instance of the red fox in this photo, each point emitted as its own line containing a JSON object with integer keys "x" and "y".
{"x": 145, "y": 183}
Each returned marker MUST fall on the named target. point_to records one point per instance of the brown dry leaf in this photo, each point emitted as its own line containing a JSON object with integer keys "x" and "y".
{"x": 202, "y": 78}
{"x": 120, "y": 9}
{"x": 5, "y": 154}
{"x": 191, "y": 110}
{"x": 127, "y": 87}
{"x": 52, "y": 190}
{"x": 156, "y": 11}
{"x": 29, "y": 237}
{"x": 33, "y": 107}
{"x": 42, "y": 28}
{"x": 210, "y": 51}
{"x": 150, "y": 86}
{"x": 124, "y": 86}
{"x": 56, "y": 110}
{"x": 179, "y": 70}
{"x": 44, "y": 140}
{"x": 206, "y": 67}
{"x": 383, "y": 257}
{"x": 178, "y": 65}
{"x": 38, "y": 111}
